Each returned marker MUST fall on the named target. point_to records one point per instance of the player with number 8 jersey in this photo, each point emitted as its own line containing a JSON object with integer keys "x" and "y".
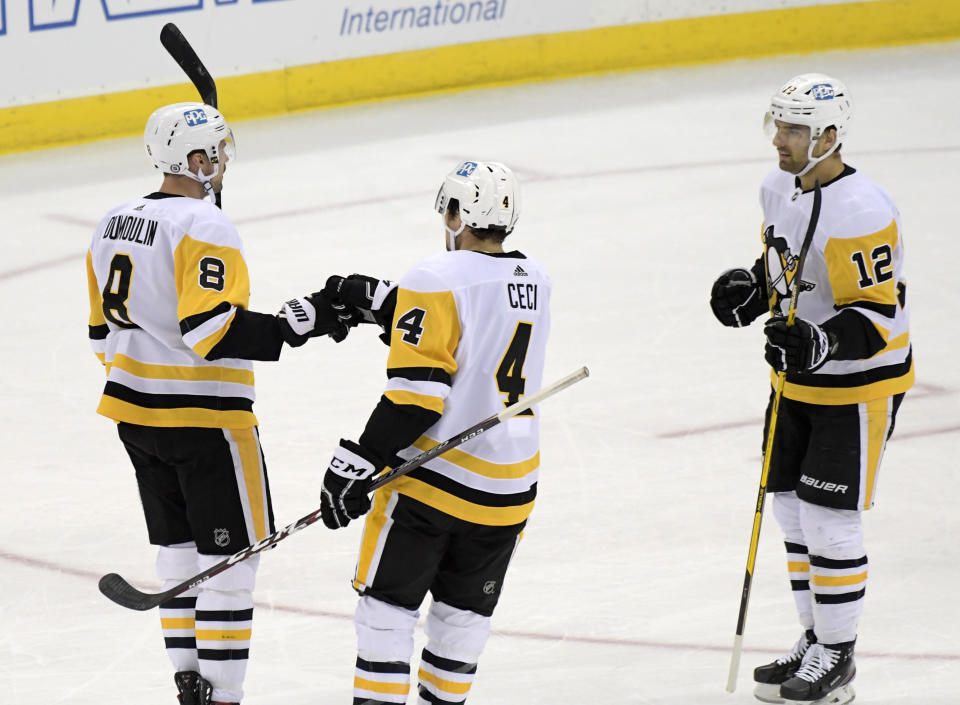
{"x": 169, "y": 293}
{"x": 467, "y": 332}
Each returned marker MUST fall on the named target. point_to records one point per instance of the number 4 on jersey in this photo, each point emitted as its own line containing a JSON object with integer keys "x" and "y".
{"x": 411, "y": 323}
{"x": 510, "y": 379}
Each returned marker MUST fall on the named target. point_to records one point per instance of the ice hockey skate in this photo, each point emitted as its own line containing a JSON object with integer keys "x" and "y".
{"x": 195, "y": 689}
{"x": 823, "y": 678}
{"x": 768, "y": 678}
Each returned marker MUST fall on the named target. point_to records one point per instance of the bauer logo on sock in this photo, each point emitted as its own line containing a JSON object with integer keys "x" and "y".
{"x": 195, "y": 117}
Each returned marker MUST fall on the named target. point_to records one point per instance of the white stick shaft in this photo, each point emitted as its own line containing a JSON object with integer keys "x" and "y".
{"x": 522, "y": 406}
{"x": 734, "y": 663}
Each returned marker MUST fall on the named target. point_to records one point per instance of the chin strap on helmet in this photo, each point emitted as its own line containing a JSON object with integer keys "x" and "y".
{"x": 205, "y": 179}
{"x": 452, "y": 235}
{"x": 812, "y": 161}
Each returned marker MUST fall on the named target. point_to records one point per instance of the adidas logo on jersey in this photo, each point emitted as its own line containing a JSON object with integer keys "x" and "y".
{"x": 518, "y": 272}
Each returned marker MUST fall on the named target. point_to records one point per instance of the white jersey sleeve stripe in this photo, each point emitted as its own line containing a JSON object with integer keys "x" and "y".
{"x": 205, "y": 336}
{"x": 430, "y": 389}
{"x": 424, "y": 401}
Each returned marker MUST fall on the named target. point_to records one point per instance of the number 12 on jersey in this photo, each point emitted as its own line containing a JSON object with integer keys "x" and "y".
{"x": 510, "y": 379}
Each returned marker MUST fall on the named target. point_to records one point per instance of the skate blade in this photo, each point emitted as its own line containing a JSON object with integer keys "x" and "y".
{"x": 841, "y": 696}
{"x": 768, "y": 693}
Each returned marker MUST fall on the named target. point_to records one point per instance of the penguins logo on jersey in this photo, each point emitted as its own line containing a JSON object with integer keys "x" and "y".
{"x": 781, "y": 265}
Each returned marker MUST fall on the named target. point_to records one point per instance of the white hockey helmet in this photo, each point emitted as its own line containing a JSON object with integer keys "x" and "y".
{"x": 815, "y": 100}
{"x": 174, "y": 131}
{"x": 487, "y": 192}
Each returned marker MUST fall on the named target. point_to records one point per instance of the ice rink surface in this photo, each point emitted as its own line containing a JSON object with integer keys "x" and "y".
{"x": 638, "y": 189}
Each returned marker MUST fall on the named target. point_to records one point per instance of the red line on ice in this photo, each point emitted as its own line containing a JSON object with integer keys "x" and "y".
{"x": 54, "y": 567}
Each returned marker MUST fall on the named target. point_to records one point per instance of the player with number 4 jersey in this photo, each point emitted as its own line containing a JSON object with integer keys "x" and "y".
{"x": 501, "y": 336}
{"x": 467, "y": 331}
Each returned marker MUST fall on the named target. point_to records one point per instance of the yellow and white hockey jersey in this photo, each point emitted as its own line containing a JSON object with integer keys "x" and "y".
{"x": 469, "y": 337}
{"x": 167, "y": 282}
{"x": 854, "y": 265}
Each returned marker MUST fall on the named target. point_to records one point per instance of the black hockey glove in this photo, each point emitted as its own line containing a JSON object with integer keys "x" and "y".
{"x": 363, "y": 299}
{"x": 737, "y": 298}
{"x": 346, "y": 484}
{"x": 308, "y": 317}
{"x": 802, "y": 347}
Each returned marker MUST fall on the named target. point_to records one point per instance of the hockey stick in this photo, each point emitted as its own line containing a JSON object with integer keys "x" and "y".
{"x": 179, "y": 48}
{"x": 181, "y": 51}
{"x": 768, "y": 450}
{"x": 124, "y": 594}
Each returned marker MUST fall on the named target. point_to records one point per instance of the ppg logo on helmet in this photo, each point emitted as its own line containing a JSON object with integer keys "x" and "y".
{"x": 822, "y": 91}
{"x": 195, "y": 117}
{"x": 466, "y": 168}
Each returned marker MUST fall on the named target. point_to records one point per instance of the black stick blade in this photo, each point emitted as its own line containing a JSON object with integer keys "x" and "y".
{"x": 115, "y": 588}
{"x": 181, "y": 51}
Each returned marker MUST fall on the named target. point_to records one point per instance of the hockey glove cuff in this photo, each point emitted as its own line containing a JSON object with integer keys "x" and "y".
{"x": 309, "y": 317}
{"x": 346, "y": 484}
{"x": 736, "y": 298}
{"x": 802, "y": 347}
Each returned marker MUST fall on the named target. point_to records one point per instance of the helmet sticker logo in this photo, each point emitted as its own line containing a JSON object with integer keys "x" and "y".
{"x": 466, "y": 168}
{"x": 195, "y": 117}
{"x": 823, "y": 91}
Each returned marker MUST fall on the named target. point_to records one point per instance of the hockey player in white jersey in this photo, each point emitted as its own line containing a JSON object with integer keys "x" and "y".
{"x": 467, "y": 331}
{"x": 169, "y": 292}
{"x": 848, "y": 363}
